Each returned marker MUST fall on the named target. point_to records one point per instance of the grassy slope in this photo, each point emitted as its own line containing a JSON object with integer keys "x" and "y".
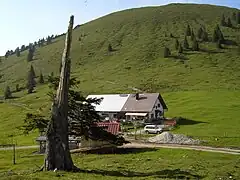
{"x": 205, "y": 87}
{"x": 164, "y": 163}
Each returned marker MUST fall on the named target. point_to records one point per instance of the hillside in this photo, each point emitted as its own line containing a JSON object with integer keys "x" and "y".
{"x": 138, "y": 35}
{"x": 204, "y": 80}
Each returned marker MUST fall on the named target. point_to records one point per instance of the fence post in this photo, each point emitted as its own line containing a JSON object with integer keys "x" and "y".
{"x": 14, "y": 154}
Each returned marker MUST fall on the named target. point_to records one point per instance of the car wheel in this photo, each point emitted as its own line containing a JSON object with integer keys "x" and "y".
{"x": 146, "y": 132}
{"x": 158, "y": 132}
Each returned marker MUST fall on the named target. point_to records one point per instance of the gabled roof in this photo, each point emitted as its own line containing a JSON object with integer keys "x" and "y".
{"x": 145, "y": 103}
{"x": 128, "y": 102}
{"x": 110, "y": 102}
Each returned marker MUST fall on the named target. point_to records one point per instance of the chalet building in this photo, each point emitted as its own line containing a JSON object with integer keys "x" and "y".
{"x": 130, "y": 106}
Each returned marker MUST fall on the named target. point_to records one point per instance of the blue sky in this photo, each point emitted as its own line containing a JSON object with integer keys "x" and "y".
{"x": 24, "y": 21}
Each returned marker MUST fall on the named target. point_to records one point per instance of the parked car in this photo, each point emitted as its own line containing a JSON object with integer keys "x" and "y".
{"x": 153, "y": 129}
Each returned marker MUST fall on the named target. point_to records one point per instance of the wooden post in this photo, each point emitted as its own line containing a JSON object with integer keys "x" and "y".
{"x": 14, "y": 154}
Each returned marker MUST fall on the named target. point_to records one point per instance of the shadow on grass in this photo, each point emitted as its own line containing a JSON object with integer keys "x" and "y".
{"x": 186, "y": 121}
{"x": 210, "y": 51}
{"x": 181, "y": 57}
{"x": 13, "y": 97}
{"x": 119, "y": 150}
{"x": 230, "y": 42}
{"x": 166, "y": 173}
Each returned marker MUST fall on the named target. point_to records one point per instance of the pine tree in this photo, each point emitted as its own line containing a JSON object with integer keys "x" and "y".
{"x": 30, "y": 54}
{"x": 32, "y": 71}
{"x": 7, "y": 54}
{"x": 23, "y": 48}
{"x": 220, "y": 35}
{"x": 219, "y": 45}
{"x": 110, "y": 49}
{"x": 17, "y": 51}
{"x": 17, "y": 87}
{"x": 238, "y": 49}
{"x": 49, "y": 40}
{"x": 31, "y": 83}
{"x": 215, "y": 36}
{"x": 180, "y": 49}
{"x": 7, "y": 93}
{"x": 41, "y": 79}
{"x": 185, "y": 43}
{"x": 192, "y": 35}
{"x": 223, "y": 21}
{"x": 234, "y": 16}
{"x": 167, "y": 52}
{"x": 195, "y": 45}
{"x": 188, "y": 31}
{"x": 229, "y": 23}
{"x": 238, "y": 17}
{"x": 200, "y": 32}
{"x": 176, "y": 44}
{"x": 205, "y": 36}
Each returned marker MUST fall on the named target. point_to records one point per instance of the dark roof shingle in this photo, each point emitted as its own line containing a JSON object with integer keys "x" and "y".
{"x": 144, "y": 104}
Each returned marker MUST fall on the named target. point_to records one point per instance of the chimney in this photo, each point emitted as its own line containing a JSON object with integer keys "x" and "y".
{"x": 137, "y": 96}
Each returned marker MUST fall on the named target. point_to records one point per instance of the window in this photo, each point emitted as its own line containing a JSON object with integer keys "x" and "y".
{"x": 159, "y": 105}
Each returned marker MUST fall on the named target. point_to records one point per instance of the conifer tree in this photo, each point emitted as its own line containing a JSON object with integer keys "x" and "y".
{"x": 238, "y": 17}
{"x": 31, "y": 83}
{"x": 205, "y": 36}
{"x": 218, "y": 35}
{"x": 17, "y": 52}
{"x": 7, "y": 54}
{"x": 185, "y": 43}
{"x": 167, "y": 52}
{"x": 219, "y": 45}
{"x": 195, "y": 45}
{"x": 200, "y": 32}
{"x": 23, "y": 48}
{"x": 215, "y": 36}
{"x": 176, "y": 44}
{"x": 110, "y": 49}
{"x": 180, "y": 49}
{"x": 192, "y": 35}
{"x": 41, "y": 79}
{"x": 234, "y": 16}
{"x": 188, "y": 31}
{"x": 17, "y": 87}
{"x": 229, "y": 23}
{"x": 223, "y": 21}
{"x": 32, "y": 71}
{"x": 30, "y": 54}
{"x": 7, "y": 93}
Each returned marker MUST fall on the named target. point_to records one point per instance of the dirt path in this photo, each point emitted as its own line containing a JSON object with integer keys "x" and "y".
{"x": 177, "y": 146}
{"x": 151, "y": 145}
{"x": 19, "y": 147}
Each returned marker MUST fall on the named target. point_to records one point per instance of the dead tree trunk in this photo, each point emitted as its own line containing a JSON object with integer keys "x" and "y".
{"x": 57, "y": 149}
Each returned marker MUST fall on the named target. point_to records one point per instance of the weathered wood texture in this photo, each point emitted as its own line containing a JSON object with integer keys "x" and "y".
{"x": 57, "y": 148}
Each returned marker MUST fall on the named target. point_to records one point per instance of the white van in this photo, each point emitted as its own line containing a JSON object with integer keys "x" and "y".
{"x": 155, "y": 129}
